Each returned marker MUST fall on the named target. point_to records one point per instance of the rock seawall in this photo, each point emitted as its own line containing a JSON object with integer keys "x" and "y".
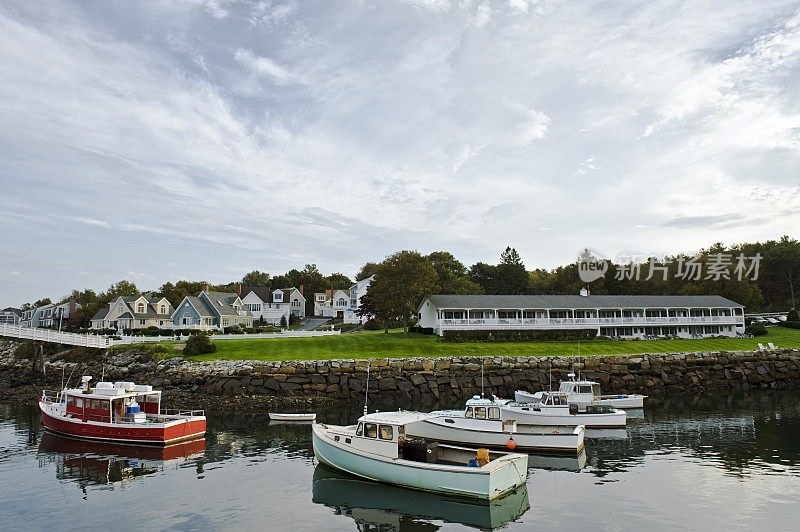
{"x": 429, "y": 379}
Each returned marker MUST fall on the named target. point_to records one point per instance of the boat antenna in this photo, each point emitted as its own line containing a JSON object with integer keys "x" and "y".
{"x": 366, "y": 391}
{"x": 550, "y": 376}
{"x": 579, "y": 359}
{"x": 483, "y": 361}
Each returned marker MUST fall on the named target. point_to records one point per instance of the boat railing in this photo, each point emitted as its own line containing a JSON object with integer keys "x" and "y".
{"x": 51, "y": 396}
{"x": 172, "y": 412}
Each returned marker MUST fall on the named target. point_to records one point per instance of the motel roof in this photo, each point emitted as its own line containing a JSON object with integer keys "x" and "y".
{"x": 575, "y": 301}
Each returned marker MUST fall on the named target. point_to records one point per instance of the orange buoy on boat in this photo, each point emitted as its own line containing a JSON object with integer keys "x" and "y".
{"x": 511, "y": 444}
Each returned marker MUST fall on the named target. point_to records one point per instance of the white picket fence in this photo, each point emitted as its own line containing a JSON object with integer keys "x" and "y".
{"x": 57, "y": 337}
{"x": 92, "y": 340}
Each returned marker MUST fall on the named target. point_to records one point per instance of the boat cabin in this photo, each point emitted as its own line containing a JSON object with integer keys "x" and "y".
{"x": 480, "y": 408}
{"x": 590, "y": 388}
{"x": 116, "y": 402}
{"x": 555, "y": 399}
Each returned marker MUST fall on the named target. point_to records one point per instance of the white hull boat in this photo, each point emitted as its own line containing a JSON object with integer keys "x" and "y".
{"x": 494, "y": 433}
{"x": 554, "y": 409}
{"x": 381, "y": 507}
{"x": 584, "y": 393}
{"x": 296, "y": 418}
{"x": 377, "y": 449}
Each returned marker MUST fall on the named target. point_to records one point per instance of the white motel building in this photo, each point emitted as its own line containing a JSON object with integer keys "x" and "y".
{"x": 614, "y": 316}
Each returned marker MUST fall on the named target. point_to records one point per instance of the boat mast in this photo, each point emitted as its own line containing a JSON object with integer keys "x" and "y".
{"x": 366, "y": 392}
{"x": 483, "y": 361}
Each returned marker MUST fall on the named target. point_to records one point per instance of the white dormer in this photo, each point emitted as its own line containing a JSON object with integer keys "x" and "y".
{"x": 277, "y": 296}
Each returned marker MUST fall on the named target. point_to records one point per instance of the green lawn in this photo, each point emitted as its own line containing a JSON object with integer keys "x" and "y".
{"x": 376, "y": 344}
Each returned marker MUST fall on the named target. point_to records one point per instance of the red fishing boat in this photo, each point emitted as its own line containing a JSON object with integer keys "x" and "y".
{"x": 119, "y": 411}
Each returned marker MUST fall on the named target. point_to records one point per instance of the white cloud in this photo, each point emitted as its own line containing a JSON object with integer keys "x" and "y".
{"x": 280, "y": 133}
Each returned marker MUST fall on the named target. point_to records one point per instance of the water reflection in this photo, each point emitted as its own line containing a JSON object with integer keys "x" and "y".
{"x": 91, "y": 462}
{"x": 381, "y": 507}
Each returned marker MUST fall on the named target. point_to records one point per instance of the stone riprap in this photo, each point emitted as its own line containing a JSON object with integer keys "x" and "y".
{"x": 434, "y": 379}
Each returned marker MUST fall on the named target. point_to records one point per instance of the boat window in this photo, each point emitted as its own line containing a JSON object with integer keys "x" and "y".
{"x": 494, "y": 413}
{"x": 79, "y": 402}
{"x": 386, "y": 432}
{"x": 70, "y": 401}
{"x": 103, "y": 404}
{"x": 95, "y": 404}
{"x": 152, "y": 398}
{"x": 468, "y": 412}
{"x": 595, "y": 389}
{"x": 559, "y": 400}
{"x": 360, "y": 430}
{"x": 584, "y": 389}
{"x": 480, "y": 412}
{"x": 371, "y": 430}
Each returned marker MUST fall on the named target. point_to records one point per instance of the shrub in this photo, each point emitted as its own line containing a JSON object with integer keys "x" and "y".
{"x": 375, "y": 324}
{"x": 198, "y": 344}
{"x": 233, "y": 329}
{"x": 283, "y": 321}
{"x": 793, "y": 315}
{"x": 756, "y": 329}
{"x": 517, "y": 335}
{"x": 294, "y": 320}
{"x": 791, "y": 324}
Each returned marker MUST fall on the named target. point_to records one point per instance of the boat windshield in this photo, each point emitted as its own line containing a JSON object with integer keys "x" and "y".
{"x": 468, "y": 412}
{"x": 595, "y": 389}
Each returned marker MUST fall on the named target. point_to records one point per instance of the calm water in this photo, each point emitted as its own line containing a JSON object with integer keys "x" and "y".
{"x": 727, "y": 462}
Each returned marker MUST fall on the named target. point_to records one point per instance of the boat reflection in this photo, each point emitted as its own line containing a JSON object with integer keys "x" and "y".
{"x": 556, "y": 462}
{"x": 382, "y": 507}
{"x": 93, "y": 462}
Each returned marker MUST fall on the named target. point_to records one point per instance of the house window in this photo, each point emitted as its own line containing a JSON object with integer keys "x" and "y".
{"x": 224, "y": 322}
{"x": 119, "y": 307}
{"x": 140, "y": 308}
{"x": 295, "y": 303}
{"x": 341, "y": 302}
{"x": 320, "y": 297}
{"x": 162, "y": 309}
{"x": 141, "y": 322}
{"x": 278, "y": 297}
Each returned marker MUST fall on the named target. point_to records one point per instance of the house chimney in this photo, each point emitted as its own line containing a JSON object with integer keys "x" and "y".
{"x": 205, "y": 287}
{"x": 72, "y": 306}
{"x": 301, "y": 290}
{"x": 239, "y": 290}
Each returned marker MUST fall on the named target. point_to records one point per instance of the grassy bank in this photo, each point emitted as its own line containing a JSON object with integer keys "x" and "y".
{"x": 376, "y": 344}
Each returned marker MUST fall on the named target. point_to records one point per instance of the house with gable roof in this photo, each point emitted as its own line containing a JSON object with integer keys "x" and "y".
{"x": 271, "y": 306}
{"x": 211, "y": 310}
{"x": 134, "y": 312}
{"x": 331, "y": 303}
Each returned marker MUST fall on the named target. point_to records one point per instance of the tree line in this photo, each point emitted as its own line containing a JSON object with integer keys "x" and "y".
{"x": 406, "y": 277}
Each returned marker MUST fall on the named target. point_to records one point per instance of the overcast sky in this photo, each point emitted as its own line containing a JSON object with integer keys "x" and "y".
{"x": 203, "y": 139}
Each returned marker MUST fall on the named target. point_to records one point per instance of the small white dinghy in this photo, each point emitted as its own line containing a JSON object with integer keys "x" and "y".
{"x": 292, "y": 417}
{"x": 379, "y": 449}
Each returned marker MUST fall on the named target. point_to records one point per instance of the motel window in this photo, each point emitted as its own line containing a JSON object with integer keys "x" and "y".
{"x": 480, "y": 412}
{"x": 468, "y": 412}
{"x": 371, "y": 430}
{"x": 386, "y": 432}
{"x": 494, "y": 413}
{"x": 360, "y": 430}
{"x": 70, "y": 401}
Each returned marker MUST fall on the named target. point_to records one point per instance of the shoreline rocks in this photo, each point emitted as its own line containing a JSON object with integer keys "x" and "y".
{"x": 417, "y": 380}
